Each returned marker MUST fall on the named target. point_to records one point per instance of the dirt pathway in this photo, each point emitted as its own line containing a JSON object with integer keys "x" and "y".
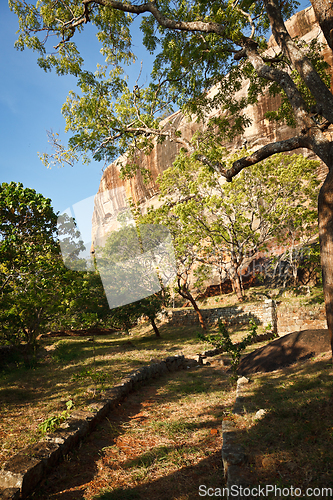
{"x": 162, "y": 443}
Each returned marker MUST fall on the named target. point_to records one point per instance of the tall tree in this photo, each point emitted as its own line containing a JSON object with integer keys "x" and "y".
{"x": 202, "y": 43}
{"x": 186, "y": 245}
{"x": 324, "y": 14}
{"x": 274, "y": 200}
{"x": 37, "y": 291}
{"x": 32, "y": 275}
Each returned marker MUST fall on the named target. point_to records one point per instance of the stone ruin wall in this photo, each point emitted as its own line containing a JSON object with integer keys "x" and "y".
{"x": 283, "y": 318}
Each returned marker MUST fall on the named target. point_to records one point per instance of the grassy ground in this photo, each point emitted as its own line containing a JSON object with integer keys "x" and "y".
{"x": 292, "y": 295}
{"x": 74, "y": 368}
{"x": 163, "y": 435}
{"x": 162, "y": 443}
{"x": 291, "y": 445}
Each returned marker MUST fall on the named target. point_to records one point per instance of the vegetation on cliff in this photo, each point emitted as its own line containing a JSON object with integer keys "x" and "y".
{"x": 222, "y": 226}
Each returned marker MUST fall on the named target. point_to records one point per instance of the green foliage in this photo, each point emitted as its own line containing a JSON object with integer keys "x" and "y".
{"x": 105, "y": 117}
{"x": 31, "y": 269}
{"x": 221, "y": 225}
{"x": 84, "y": 304}
{"x": 125, "y": 317}
{"x": 37, "y": 291}
{"x": 95, "y": 376}
{"x": 222, "y": 340}
{"x": 65, "y": 352}
{"x": 130, "y": 273}
{"x": 285, "y": 112}
{"x": 310, "y": 265}
{"x": 51, "y": 423}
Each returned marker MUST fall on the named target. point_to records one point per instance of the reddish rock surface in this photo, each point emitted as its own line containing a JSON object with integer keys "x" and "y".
{"x": 113, "y": 191}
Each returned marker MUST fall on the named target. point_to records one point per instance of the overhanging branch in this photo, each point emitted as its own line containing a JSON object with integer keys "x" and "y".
{"x": 257, "y": 156}
{"x": 151, "y": 6}
{"x": 265, "y": 152}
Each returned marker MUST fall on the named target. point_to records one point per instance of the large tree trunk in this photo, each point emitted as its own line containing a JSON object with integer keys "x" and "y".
{"x": 236, "y": 284}
{"x": 325, "y": 217}
{"x": 324, "y": 13}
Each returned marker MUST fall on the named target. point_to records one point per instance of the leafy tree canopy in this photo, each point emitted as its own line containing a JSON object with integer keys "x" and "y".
{"x": 196, "y": 45}
{"x": 37, "y": 290}
{"x": 226, "y": 224}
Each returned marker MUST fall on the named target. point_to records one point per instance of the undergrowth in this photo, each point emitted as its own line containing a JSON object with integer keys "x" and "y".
{"x": 222, "y": 340}
{"x": 52, "y": 422}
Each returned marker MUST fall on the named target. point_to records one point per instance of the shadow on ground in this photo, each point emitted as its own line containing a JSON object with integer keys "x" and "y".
{"x": 85, "y": 472}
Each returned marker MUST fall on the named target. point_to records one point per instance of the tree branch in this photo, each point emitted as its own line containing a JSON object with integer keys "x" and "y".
{"x": 205, "y": 27}
{"x": 265, "y": 152}
{"x": 283, "y": 79}
{"x": 262, "y": 153}
{"x": 302, "y": 64}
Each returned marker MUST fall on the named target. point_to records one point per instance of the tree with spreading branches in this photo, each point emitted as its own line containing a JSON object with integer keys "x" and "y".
{"x": 196, "y": 45}
{"x": 34, "y": 283}
{"x": 272, "y": 201}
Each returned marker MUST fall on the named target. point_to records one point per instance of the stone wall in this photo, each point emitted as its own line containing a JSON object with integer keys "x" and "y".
{"x": 22, "y": 473}
{"x": 262, "y": 313}
{"x": 284, "y": 318}
{"x": 294, "y": 318}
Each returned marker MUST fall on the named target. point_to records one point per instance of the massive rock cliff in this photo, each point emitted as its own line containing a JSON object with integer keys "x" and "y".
{"x": 113, "y": 191}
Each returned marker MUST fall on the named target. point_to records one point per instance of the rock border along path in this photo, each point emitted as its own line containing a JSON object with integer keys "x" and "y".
{"x": 22, "y": 473}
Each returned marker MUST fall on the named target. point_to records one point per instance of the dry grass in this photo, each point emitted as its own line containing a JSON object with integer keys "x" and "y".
{"x": 166, "y": 438}
{"x": 74, "y": 368}
{"x": 292, "y": 444}
{"x": 162, "y": 443}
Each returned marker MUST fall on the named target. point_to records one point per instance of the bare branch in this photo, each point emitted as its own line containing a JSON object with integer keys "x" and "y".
{"x": 6, "y": 281}
{"x": 272, "y": 60}
{"x": 246, "y": 14}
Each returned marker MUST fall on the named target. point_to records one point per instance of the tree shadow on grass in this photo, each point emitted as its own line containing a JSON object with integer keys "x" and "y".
{"x": 76, "y": 475}
{"x": 182, "y": 484}
{"x": 292, "y": 444}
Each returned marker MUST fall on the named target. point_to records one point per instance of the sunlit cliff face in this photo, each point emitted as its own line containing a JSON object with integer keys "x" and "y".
{"x": 260, "y": 132}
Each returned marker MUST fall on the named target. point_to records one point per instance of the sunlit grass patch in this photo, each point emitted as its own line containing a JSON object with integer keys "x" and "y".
{"x": 173, "y": 443}
{"x": 78, "y": 369}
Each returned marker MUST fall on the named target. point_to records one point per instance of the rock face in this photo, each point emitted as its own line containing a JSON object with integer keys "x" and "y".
{"x": 113, "y": 192}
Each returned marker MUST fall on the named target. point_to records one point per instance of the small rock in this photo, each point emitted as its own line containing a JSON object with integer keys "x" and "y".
{"x": 242, "y": 381}
{"x": 260, "y": 414}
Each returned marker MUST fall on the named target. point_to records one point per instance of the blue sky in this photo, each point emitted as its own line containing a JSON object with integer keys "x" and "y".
{"x": 30, "y": 104}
